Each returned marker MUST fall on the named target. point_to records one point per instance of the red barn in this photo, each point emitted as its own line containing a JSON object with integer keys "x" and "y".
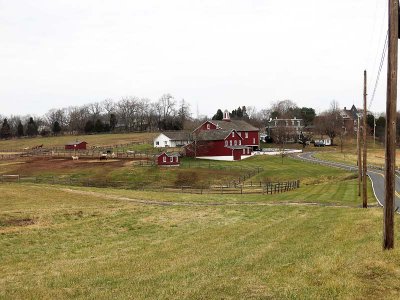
{"x": 224, "y": 140}
{"x": 78, "y": 145}
{"x": 168, "y": 160}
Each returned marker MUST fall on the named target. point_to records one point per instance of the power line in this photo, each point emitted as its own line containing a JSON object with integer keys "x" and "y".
{"x": 383, "y": 56}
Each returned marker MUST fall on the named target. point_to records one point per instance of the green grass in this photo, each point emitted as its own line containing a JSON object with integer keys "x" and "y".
{"x": 91, "y": 247}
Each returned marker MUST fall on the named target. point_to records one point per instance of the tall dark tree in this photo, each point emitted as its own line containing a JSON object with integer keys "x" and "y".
{"x": 89, "y": 126}
{"x": 5, "y": 131}
{"x": 98, "y": 126}
{"x": 113, "y": 121}
{"x": 56, "y": 128}
{"x": 20, "y": 129}
{"x": 308, "y": 115}
{"x": 31, "y": 129}
{"x": 219, "y": 115}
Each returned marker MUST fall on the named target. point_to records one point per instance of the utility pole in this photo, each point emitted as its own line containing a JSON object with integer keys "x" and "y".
{"x": 359, "y": 155}
{"x": 390, "y": 151}
{"x": 364, "y": 167}
{"x": 374, "y": 129}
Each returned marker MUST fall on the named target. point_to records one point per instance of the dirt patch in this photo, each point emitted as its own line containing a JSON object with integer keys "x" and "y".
{"x": 17, "y": 222}
{"x": 36, "y": 166}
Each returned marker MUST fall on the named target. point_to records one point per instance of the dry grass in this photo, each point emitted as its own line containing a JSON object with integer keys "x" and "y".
{"x": 91, "y": 247}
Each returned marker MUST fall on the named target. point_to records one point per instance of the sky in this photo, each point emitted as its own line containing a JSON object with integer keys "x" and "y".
{"x": 212, "y": 53}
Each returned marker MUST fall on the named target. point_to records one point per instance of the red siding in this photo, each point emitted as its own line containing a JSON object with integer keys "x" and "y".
{"x": 80, "y": 146}
{"x": 160, "y": 160}
{"x": 237, "y": 154}
{"x": 205, "y": 127}
{"x": 251, "y": 135}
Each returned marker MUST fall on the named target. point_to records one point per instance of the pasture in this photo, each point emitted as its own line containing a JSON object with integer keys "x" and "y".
{"x": 88, "y": 243}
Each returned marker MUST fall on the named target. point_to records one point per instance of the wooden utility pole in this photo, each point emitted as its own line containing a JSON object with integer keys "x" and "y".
{"x": 359, "y": 155}
{"x": 364, "y": 166}
{"x": 390, "y": 151}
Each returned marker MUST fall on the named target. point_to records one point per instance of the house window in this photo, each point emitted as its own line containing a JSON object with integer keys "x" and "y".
{"x": 157, "y": 143}
{"x": 164, "y": 159}
{"x": 240, "y": 142}
{"x": 208, "y": 126}
{"x": 166, "y": 142}
{"x": 235, "y": 143}
{"x": 172, "y": 159}
{"x": 246, "y": 135}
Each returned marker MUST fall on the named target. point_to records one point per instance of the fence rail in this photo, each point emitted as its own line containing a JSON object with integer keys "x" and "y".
{"x": 260, "y": 188}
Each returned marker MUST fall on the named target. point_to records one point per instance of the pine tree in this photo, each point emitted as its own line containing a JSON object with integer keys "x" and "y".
{"x": 5, "y": 131}
{"x": 219, "y": 115}
{"x": 56, "y": 128}
{"x": 20, "y": 129}
{"x": 32, "y": 128}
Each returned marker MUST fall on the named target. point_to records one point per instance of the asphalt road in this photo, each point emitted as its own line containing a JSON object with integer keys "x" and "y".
{"x": 377, "y": 177}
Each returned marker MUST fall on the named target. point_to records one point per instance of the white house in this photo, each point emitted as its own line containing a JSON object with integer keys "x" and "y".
{"x": 172, "y": 139}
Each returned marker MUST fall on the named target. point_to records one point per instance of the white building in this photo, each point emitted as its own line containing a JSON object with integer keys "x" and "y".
{"x": 324, "y": 139}
{"x": 172, "y": 139}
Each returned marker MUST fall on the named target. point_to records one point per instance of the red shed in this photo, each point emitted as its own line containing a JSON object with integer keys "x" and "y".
{"x": 78, "y": 145}
{"x": 168, "y": 160}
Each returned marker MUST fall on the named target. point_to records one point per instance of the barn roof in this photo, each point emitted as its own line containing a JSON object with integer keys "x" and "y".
{"x": 238, "y": 125}
{"x": 177, "y": 135}
{"x": 75, "y": 143}
{"x": 213, "y": 135}
{"x": 171, "y": 154}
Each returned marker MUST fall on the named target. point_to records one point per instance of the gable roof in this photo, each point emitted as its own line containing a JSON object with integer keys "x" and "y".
{"x": 214, "y": 135}
{"x": 238, "y": 125}
{"x": 177, "y": 135}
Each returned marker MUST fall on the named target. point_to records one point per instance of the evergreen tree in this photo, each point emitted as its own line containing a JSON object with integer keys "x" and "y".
{"x": 239, "y": 113}
{"x": 89, "y": 126}
{"x": 32, "y": 128}
{"x": 113, "y": 121}
{"x": 219, "y": 115}
{"x": 99, "y": 126}
{"x": 5, "y": 131}
{"x": 56, "y": 128}
{"x": 20, "y": 129}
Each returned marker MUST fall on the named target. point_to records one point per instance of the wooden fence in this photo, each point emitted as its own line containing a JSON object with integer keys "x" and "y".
{"x": 249, "y": 188}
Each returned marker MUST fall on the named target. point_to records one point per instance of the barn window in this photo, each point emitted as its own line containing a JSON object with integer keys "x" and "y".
{"x": 208, "y": 126}
{"x": 254, "y": 140}
{"x": 172, "y": 159}
{"x": 164, "y": 159}
{"x": 176, "y": 158}
{"x": 230, "y": 142}
{"x": 246, "y": 135}
{"x": 240, "y": 142}
{"x": 233, "y": 134}
{"x": 244, "y": 151}
{"x": 235, "y": 143}
{"x": 226, "y": 143}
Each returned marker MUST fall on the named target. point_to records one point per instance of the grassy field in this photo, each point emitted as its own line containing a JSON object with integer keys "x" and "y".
{"x": 195, "y": 173}
{"x": 92, "y": 140}
{"x": 60, "y": 244}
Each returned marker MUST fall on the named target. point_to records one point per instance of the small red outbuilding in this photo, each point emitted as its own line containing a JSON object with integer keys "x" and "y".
{"x": 168, "y": 160}
{"x": 78, "y": 145}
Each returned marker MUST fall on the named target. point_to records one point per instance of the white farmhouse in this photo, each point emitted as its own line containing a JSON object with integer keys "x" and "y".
{"x": 172, "y": 139}
{"x": 324, "y": 139}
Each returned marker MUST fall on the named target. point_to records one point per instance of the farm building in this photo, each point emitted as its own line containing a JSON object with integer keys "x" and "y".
{"x": 78, "y": 145}
{"x": 172, "y": 139}
{"x": 224, "y": 140}
{"x": 168, "y": 160}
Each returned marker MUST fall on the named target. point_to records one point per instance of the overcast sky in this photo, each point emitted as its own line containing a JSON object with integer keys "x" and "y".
{"x": 213, "y": 53}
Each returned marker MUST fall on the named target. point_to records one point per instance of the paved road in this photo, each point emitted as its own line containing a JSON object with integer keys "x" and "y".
{"x": 376, "y": 176}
